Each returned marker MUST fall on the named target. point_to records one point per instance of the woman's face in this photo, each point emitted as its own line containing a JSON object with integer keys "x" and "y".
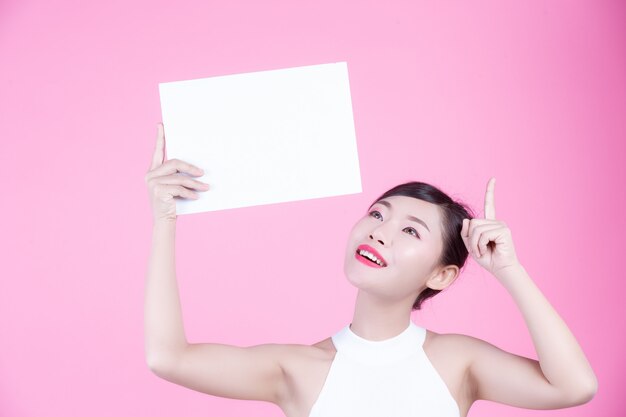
{"x": 405, "y": 234}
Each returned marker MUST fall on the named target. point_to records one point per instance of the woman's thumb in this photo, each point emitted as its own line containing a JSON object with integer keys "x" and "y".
{"x": 159, "y": 149}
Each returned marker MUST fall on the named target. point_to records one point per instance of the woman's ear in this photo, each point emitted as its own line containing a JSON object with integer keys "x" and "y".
{"x": 443, "y": 278}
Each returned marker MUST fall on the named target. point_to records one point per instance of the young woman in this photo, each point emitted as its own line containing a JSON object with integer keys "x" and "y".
{"x": 410, "y": 245}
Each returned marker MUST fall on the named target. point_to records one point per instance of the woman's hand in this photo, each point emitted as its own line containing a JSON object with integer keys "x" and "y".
{"x": 165, "y": 182}
{"x": 489, "y": 240}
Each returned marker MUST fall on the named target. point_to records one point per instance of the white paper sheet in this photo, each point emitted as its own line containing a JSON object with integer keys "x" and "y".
{"x": 264, "y": 137}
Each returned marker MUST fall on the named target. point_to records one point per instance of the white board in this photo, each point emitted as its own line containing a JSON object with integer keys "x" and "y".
{"x": 264, "y": 137}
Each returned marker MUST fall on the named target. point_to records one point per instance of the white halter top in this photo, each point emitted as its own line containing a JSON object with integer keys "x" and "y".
{"x": 386, "y": 378}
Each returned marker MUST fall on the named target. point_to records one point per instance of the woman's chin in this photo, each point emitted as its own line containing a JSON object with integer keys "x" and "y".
{"x": 360, "y": 277}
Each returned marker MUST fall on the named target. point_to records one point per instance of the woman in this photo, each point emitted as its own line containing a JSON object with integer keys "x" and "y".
{"x": 411, "y": 244}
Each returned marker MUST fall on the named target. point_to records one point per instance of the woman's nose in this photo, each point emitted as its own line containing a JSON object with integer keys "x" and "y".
{"x": 378, "y": 235}
{"x": 379, "y": 240}
{"x": 383, "y": 232}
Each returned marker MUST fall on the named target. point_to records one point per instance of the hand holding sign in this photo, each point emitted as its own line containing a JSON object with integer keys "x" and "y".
{"x": 165, "y": 181}
{"x": 489, "y": 240}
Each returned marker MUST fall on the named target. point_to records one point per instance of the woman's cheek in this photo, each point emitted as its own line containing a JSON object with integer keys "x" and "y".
{"x": 414, "y": 257}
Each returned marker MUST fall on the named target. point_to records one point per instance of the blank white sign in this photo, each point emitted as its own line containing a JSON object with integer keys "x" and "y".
{"x": 264, "y": 137}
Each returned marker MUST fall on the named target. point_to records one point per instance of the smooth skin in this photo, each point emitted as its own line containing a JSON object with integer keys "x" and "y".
{"x": 291, "y": 376}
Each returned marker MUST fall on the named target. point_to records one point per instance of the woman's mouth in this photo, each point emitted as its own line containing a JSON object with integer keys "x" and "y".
{"x": 368, "y": 258}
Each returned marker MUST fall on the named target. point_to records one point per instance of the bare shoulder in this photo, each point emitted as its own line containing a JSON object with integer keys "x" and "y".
{"x": 458, "y": 349}
{"x": 465, "y": 359}
{"x": 452, "y": 341}
{"x": 326, "y": 346}
{"x": 451, "y": 354}
{"x": 299, "y": 354}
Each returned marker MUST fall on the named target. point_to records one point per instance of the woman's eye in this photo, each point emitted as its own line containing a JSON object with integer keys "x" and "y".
{"x": 376, "y": 215}
{"x": 412, "y": 231}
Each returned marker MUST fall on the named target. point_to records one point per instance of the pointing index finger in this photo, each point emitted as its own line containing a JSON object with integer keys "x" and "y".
{"x": 490, "y": 207}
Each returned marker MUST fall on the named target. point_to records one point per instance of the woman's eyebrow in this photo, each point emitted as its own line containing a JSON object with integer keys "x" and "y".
{"x": 415, "y": 219}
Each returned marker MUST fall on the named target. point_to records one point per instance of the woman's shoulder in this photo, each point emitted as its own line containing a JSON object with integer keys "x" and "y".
{"x": 322, "y": 350}
{"x": 451, "y": 354}
{"x": 465, "y": 346}
{"x": 451, "y": 339}
{"x": 454, "y": 345}
{"x": 325, "y": 346}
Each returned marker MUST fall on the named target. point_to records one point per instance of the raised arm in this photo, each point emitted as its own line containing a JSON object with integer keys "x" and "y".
{"x": 227, "y": 371}
{"x": 562, "y": 377}
{"x": 163, "y": 324}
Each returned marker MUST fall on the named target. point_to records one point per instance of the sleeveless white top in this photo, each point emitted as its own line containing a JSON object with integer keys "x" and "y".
{"x": 386, "y": 378}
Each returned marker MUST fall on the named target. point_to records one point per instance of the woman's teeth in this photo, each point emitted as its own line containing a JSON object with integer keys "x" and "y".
{"x": 370, "y": 256}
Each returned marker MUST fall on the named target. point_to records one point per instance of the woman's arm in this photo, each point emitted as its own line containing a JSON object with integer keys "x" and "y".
{"x": 562, "y": 377}
{"x": 252, "y": 373}
{"x": 255, "y": 372}
{"x": 163, "y": 324}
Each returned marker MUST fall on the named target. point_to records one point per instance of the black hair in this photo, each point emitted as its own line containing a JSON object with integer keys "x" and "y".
{"x": 452, "y": 214}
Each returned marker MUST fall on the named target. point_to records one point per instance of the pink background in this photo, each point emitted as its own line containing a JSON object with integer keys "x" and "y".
{"x": 533, "y": 93}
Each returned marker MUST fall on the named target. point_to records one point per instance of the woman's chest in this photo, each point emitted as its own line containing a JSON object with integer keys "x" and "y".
{"x": 332, "y": 383}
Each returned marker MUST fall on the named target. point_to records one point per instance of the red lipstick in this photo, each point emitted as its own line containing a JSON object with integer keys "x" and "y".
{"x": 368, "y": 261}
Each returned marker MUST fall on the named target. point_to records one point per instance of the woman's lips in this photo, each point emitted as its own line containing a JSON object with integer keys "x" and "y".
{"x": 367, "y": 261}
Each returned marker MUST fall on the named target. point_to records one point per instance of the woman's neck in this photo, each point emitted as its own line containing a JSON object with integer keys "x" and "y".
{"x": 377, "y": 319}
